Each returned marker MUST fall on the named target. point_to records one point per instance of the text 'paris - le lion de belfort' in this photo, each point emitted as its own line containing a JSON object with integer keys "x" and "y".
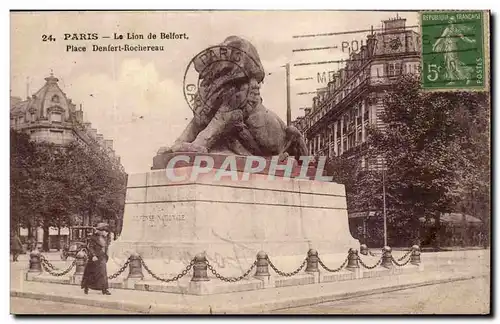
{"x": 120, "y": 37}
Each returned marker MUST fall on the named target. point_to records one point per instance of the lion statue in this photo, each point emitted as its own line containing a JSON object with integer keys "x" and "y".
{"x": 229, "y": 117}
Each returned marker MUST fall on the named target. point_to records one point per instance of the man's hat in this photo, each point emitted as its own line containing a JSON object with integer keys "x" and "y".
{"x": 102, "y": 227}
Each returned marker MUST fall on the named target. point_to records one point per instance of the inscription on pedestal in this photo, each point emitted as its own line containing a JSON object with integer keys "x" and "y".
{"x": 159, "y": 220}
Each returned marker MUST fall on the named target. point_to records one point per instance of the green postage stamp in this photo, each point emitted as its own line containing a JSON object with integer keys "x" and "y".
{"x": 455, "y": 51}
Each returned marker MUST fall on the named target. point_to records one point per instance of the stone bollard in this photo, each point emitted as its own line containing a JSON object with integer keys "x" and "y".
{"x": 387, "y": 257}
{"x": 363, "y": 249}
{"x": 35, "y": 265}
{"x": 262, "y": 271}
{"x": 200, "y": 268}
{"x": 134, "y": 271}
{"x": 262, "y": 268}
{"x": 415, "y": 255}
{"x": 80, "y": 262}
{"x": 312, "y": 261}
{"x": 135, "y": 267}
{"x": 352, "y": 260}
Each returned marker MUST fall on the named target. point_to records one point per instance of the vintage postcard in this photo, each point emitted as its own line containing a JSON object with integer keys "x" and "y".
{"x": 250, "y": 162}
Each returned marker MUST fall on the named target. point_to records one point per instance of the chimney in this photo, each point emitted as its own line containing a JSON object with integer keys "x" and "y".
{"x": 93, "y": 133}
{"x": 87, "y": 125}
{"x": 394, "y": 25}
{"x": 100, "y": 139}
{"x": 79, "y": 116}
{"x": 307, "y": 111}
{"x": 370, "y": 44}
{"x": 342, "y": 76}
{"x": 108, "y": 144}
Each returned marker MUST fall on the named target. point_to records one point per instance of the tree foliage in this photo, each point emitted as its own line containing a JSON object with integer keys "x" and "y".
{"x": 435, "y": 148}
{"x": 55, "y": 186}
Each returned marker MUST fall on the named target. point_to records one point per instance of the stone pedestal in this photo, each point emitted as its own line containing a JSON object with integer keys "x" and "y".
{"x": 230, "y": 219}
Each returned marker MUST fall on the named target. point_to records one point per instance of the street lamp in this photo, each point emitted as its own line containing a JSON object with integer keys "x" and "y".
{"x": 385, "y": 211}
{"x": 288, "y": 107}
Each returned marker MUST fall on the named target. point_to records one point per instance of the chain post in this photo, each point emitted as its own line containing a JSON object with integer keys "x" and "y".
{"x": 352, "y": 260}
{"x": 363, "y": 249}
{"x": 415, "y": 255}
{"x": 312, "y": 261}
{"x": 81, "y": 260}
{"x": 200, "y": 267}
{"x": 386, "y": 257}
{"x": 35, "y": 263}
{"x": 262, "y": 266}
{"x": 135, "y": 267}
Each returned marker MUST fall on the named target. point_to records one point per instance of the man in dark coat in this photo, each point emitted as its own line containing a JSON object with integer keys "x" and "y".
{"x": 95, "y": 275}
{"x": 16, "y": 247}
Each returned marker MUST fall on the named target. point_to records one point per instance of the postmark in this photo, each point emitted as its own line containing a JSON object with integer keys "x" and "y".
{"x": 217, "y": 75}
{"x": 454, "y": 50}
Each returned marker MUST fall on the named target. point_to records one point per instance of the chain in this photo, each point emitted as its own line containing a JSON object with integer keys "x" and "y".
{"x": 180, "y": 275}
{"x": 370, "y": 267}
{"x": 334, "y": 270}
{"x": 400, "y": 264}
{"x": 404, "y": 256}
{"x": 120, "y": 271}
{"x": 230, "y": 279}
{"x": 48, "y": 264}
{"x": 50, "y": 268}
{"x": 287, "y": 274}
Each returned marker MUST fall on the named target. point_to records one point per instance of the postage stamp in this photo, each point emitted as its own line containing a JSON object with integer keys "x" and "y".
{"x": 454, "y": 50}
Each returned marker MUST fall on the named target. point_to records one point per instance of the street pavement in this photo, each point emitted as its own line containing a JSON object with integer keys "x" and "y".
{"x": 466, "y": 296}
{"x": 25, "y": 306}
{"x": 458, "y": 297}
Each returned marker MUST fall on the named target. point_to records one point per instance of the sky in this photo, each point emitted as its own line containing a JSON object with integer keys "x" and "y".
{"x": 136, "y": 98}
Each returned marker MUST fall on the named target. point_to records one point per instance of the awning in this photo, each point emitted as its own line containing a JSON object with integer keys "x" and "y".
{"x": 456, "y": 219}
{"x": 362, "y": 214}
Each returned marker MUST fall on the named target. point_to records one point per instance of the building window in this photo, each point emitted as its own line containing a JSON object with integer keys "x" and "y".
{"x": 56, "y": 136}
{"x": 21, "y": 120}
{"x": 390, "y": 70}
{"x": 397, "y": 68}
{"x": 12, "y": 122}
{"x": 55, "y": 98}
{"x": 32, "y": 117}
{"x": 351, "y": 141}
{"x": 56, "y": 117}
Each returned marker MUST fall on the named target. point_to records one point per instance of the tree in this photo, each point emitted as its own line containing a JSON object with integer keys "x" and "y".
{"x": 429, "y": 151}
{"x": 22, "y": 154}
{"x": 50, "y": 184}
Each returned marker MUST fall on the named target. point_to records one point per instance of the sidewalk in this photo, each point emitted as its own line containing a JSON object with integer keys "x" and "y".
{"x": 256, "y": 301}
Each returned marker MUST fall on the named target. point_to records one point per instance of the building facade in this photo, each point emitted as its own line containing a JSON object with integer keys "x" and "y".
{"x": 50, "y": 116}
{"x": 341, "y": 112}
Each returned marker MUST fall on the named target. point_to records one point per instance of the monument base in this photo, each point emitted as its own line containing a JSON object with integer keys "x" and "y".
{"x": 214, "y": 286}
{"x": 230, "y": 219}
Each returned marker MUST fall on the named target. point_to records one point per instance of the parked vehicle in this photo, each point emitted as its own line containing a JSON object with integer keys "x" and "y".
{"x": 78, "y": 236}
